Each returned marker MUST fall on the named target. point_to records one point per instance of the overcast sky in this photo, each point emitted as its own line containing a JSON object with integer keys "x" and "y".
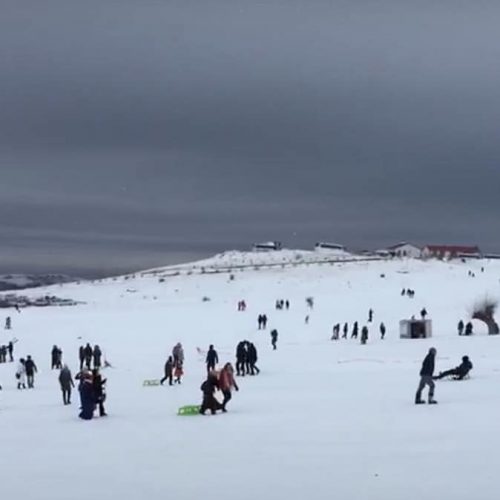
{"x": 140, "y": 133}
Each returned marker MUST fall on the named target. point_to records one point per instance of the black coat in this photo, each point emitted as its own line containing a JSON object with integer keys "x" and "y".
{"x": 428, "y": 366}
{"x": 252, "y": 354}
{"x": 212, "y": 358}
{"x": 30, "y": 367}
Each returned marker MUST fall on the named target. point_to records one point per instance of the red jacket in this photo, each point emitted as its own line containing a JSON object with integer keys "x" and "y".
{"x": 226, "y": 380}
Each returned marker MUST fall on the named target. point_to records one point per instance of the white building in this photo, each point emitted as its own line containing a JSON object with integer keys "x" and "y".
{"x": 404, "y": 249}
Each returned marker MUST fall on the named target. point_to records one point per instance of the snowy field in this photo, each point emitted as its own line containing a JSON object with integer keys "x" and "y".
{"x": 323, "y": 420}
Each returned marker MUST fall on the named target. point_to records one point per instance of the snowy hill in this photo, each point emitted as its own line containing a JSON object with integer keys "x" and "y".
{"x": 332, "y": 419}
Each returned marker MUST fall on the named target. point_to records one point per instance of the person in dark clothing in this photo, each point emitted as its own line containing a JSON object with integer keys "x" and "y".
{"x": 274, "y": 338}
{"x": 423, "y": 313}
{"x": 10, "y": 349}
{"x": 461, "y": 327}
{"x": 31, "y": 369}
{"x": 468, "y": 329}
{"x": 87, "y": 396}
{"x": 81, "y": 356}
{"x": 259, "y": 321}
{"x": 97, "y": 357}
{"x": 459, "y": 372}
{"x": 87, "y": 354}
{"x": 208, "y": 388}
{"x": 56, "y": 358}
{"x": 355, "y": 329}
{"x": 382, "y": 331}
{"x": 364, "y": 335}
{"x": 8, "y": 323}
{"x": 66, "y": 381}
{"x": 426, "y": 378}
{"x": 169, "y": 369}
{"x": 212, "y": 359}
{"x": 370, "y": 315}
{"x": 345, "y": 331}
{"x": 252, "y": 359}
{"x": 287, "y": 304}
{"x": 99, "y": 395}
{"x": 241, "y": 358}
{"x": 264, "y": 321}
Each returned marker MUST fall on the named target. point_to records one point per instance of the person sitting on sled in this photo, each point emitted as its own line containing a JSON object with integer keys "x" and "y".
{"x": 459, "y": 372}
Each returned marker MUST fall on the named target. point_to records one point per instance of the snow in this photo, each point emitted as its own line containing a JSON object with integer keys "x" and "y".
{"x": 324, "y": 419}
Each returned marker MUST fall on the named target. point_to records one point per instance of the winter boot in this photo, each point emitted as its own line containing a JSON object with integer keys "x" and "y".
{"x": 432, "y": 401}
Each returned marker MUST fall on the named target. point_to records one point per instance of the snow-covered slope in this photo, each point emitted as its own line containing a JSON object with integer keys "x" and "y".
{"x": 324, "y": 419}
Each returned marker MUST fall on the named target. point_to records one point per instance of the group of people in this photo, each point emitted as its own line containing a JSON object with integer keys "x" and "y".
{"x": 87, "y": 355}
{"x": 7, "y": 350}
{"x": 92, "y": 392}
{"x": 282, "y": 304}
{"x": 262, "y": 321}
{"x": 242, "y": 305}
{"x": 25, "y": 373}
{"x": 246, "y": 359}
{"x": 223, "y": 381}
{"x": 355, "y": 331}
{"x": 56, "y": 358}
{"x": 427, "y": 376}
{"x": 408, "y": 292}
{"x": 465, "y": 329}
{"x": 174, "y": 366}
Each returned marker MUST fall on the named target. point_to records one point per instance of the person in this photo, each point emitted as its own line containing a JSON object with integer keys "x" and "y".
{"x": 178, "y": 372}
{"x": 241, "y": 358}
{"x": 468, "y": 329}
{"x": 461, "y": 327}
{"x": 87, "y": 395}
{"x": 426, "y": 374}
{"x": 259, "y": 321}
{"x": 66, "y": 382}
{"x": 403, "y": 291}
{"x": 178, "y": 353}
{"x": 56, "y": 356}
{"x": 10, "y": 349}
{"x": 306, "y": 319}
{"x": 287, "y": 304}
{"x": 355, "y": 329}
{"x": 423, "y": 313}
{"x": 97, "y": 357}
{"x": 81, "y": 356}
{"x": 212, "y": 358}
{"x": 364, "y": 335}
{"x": 87, "y": 353}
{"x": 21, "y": 374}
{"x": 274, "y": 338}
{"x": 459, "y": 372}
{"x": 208, "y": 389}
{"x": 345, "y": 331}
{"x": 252, "y": 359}
{"x": 8, "y": 323}
{"x": 99, "y": 394}
{"x": 31, "y": 369}
{"x": 226, "y": 384}
{"x": 370, "y": 315}
{"x": 382, "y": 331}
{"x": 169, "y": 368}
{"x": 264, "y": 321}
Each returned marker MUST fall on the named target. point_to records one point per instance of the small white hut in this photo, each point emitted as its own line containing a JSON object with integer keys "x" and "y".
{"x": 415, "y": 328}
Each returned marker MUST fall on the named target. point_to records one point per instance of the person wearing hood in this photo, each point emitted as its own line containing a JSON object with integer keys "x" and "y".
{"x": 426, "y": 378}
{"x": 66, "y": 382}
{"x": 459, "y": 372}
{"x": 227, "y": 383}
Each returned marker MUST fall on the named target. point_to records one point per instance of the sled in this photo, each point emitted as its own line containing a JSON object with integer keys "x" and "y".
{"x": 151, "y": 383}
{"x": 189, "y": 410}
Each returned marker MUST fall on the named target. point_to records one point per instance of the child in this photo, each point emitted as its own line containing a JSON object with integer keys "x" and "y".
{"x": 178, "y": 372}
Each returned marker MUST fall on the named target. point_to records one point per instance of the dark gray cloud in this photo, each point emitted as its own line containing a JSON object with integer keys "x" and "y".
{"x": 135, "y": 134}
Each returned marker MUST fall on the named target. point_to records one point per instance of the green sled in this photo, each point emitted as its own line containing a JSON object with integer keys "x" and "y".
{"x": 189, "y": 410}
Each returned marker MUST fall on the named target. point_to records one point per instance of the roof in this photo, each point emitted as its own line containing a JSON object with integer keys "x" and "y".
{"x": 402, "y": 244}
{"x": 452, "y": 249}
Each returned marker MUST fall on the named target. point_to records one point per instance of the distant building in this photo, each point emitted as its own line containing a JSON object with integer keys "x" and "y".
{"x": 495, "y": 256}
{"x": 267, "y": 246}
{"x": 447, "y": 252}
{"x": 404, "y": 249}
{"x": 328, "y": 246}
